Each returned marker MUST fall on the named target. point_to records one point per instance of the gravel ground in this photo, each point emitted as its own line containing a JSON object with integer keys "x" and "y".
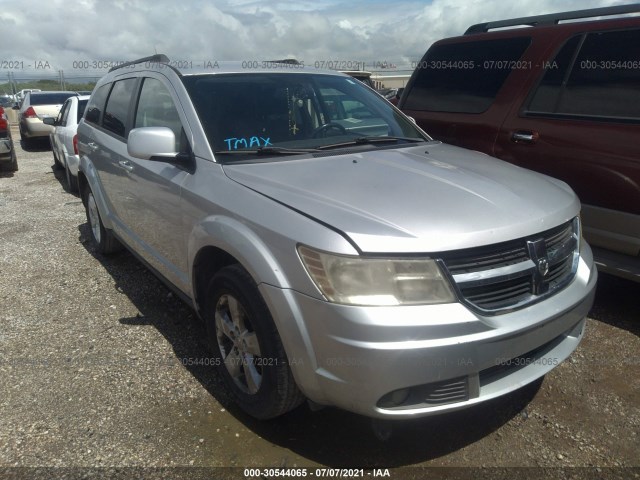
{"x": 95, "y": 378}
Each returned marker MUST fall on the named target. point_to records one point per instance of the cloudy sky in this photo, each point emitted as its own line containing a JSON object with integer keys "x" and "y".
{"x": 61, "y": 34}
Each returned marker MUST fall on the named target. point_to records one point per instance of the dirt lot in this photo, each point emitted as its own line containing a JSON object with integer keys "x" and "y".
{"x": 94, "y": 373}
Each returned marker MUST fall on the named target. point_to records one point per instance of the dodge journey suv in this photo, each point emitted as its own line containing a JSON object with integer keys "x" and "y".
{"x": 334, "y": 251}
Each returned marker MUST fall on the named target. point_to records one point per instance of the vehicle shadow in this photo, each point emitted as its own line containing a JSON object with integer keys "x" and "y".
{"x": 61, "y": 175}
{"x": 616, "y": 303}
{"x": 36, "y": 145}
{"x": 342, "y": 439}
{"x": 329, "y": 436}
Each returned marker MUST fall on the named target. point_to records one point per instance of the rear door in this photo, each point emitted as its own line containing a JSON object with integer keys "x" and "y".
{"x": 109, "y": 112}
{"x": 581, "y": 124}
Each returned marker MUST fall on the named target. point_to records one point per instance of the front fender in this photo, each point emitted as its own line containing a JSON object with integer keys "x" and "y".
{"x": 238, "y": 240}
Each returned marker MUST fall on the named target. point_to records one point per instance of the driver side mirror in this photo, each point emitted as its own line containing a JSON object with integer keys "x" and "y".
{"x": 152, "y": 143}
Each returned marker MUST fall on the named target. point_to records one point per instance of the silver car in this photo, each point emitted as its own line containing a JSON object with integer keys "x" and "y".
{"x": 334, "y": 251}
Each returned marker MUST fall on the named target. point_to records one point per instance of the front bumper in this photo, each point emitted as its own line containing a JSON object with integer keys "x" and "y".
{"x": 412, "y": 361}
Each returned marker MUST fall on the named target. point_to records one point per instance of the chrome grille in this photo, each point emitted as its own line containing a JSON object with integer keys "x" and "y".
{"x": 511, "y": 275}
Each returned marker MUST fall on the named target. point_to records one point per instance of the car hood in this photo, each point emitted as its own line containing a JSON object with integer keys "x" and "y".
{"x": 429, "y": 198}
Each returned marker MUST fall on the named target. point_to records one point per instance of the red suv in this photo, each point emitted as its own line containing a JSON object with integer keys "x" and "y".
{"x": 559, "y": 98}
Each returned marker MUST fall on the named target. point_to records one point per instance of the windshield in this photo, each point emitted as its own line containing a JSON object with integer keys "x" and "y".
{"x": 281, "y": 113}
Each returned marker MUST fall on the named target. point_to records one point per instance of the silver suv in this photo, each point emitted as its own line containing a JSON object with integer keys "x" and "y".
{"x": 332, "y": 248}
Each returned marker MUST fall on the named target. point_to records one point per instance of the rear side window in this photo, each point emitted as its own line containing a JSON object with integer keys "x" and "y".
{"x": 65, "y": 112}
{"x": 117, "y": 108}
{"x": 464, "y": 77}
{"x": 603, "y": 81}
{"x": 82, "y": 104}
{"x": 96, "y": 104}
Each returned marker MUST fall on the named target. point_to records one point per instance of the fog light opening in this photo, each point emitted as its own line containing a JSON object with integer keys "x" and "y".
{"x": 395, "y": 398}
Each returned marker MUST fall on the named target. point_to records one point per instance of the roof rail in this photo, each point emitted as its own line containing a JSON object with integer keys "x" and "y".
{"x": 157, "y": 58}
{"x": 554, "y": 18}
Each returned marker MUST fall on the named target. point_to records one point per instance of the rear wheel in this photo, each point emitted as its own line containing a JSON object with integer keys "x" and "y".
{"x": 11, "y": 166}
{"x": 104, "y": 239}
{"x": 249, "y": 353}
{"x": 56, "y": 160}
{"x": 72, "y": 181}
{"x": 26, "y": 142}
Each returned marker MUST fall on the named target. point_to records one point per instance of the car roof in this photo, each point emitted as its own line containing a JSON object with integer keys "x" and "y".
{"x": 161, "y": 62}
{"x": 554, "y": 19}
{"x": 547, "y": 32}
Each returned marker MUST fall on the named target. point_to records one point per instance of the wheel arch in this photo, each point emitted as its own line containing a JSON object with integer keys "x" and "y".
{"x": 220, "y": 241}
{"x": 88, "y": 177}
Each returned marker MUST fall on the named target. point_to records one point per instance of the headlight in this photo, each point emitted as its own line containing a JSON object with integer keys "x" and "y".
{"x": 353, "y": 280}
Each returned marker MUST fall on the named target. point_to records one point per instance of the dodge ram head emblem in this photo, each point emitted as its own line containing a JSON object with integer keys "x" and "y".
{"x": 543, "y": 266}
{"x": 538, "y": 253}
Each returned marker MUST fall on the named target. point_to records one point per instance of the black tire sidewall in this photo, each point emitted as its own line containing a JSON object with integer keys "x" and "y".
{"x": 236, "y": 281}
{"x": 99, "y": 244}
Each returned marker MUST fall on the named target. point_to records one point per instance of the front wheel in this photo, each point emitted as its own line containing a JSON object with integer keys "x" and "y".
{"x": 104, "y": 239}
{"x": 249, "y": 354}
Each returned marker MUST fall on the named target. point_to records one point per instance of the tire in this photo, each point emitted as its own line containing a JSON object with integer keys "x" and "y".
{"x": 56, "y": 160}
{"x": 11, "y": 166}
{"x": 250, "y": 358}
{"x": 26, "y": 142}
{"x": 72, "y": 181}
{"x": 104, "y": 239}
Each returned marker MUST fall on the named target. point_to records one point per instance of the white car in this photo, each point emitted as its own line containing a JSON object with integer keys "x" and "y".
{"x": 64, "y": 141}
{"x": 22, "y": 93}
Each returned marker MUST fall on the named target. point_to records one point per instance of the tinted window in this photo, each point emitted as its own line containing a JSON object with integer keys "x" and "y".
{"x": 546, "y": 96}
{"x": 604, "y": 80}
{"x": 117, "y": 108}
{"x": 156, "y": 109}
{"x": 82, "y": 104}
{"x": 56, "y": 98}
{"x": 96, "y": 103}
{"x": 464, "y": 77}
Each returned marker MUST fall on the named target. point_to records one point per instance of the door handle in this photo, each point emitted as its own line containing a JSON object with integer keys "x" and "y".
{"x": 126, "y": 164}
{"x": 525, "y": 136}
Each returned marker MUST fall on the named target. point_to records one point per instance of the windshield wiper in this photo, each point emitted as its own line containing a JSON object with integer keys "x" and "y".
{"x": 268, "y": 151}
{"x": 371, "y": 141}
